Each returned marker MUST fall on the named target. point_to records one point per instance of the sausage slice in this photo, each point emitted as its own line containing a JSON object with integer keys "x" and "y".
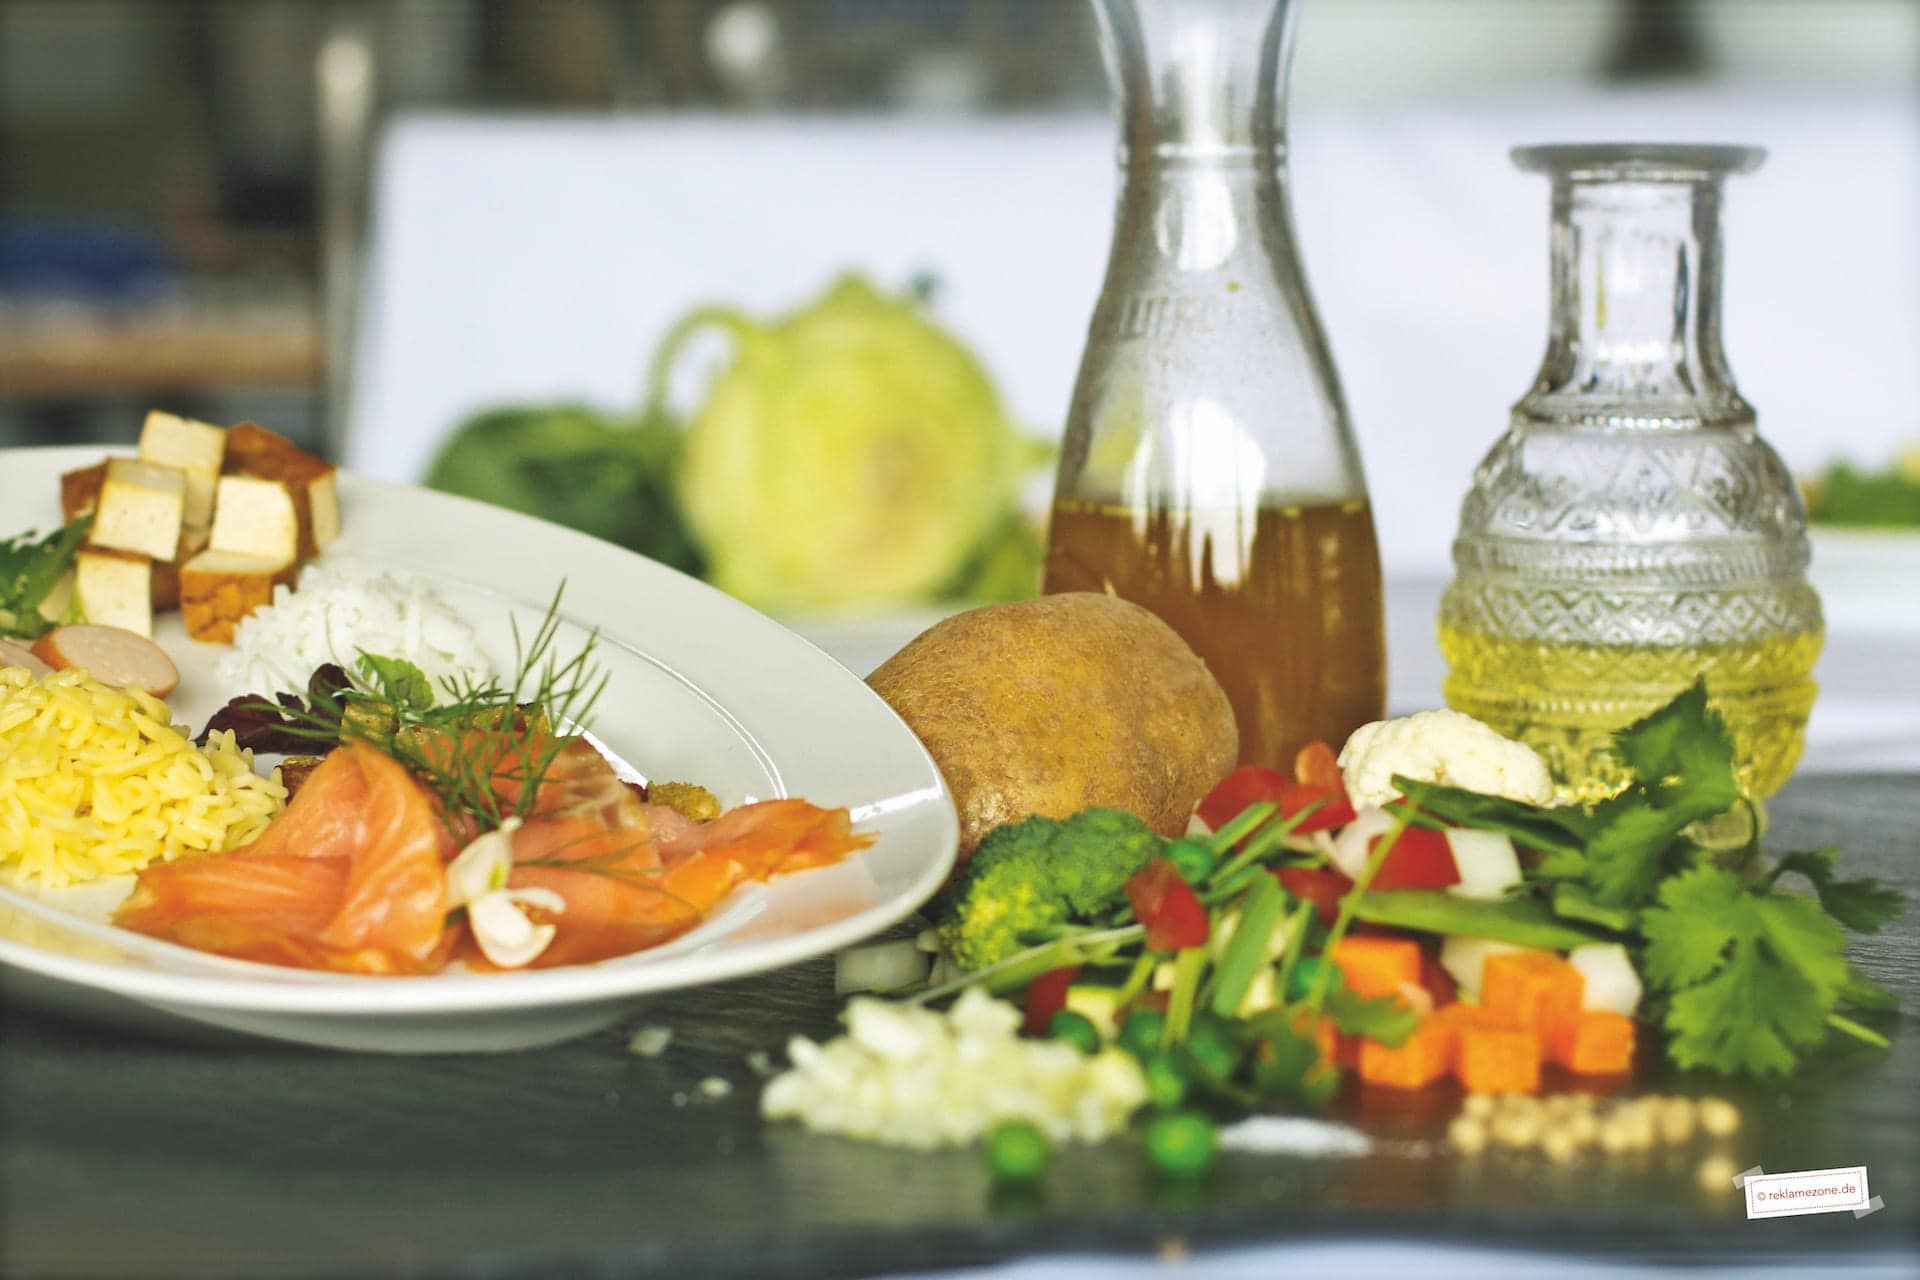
{"x": 18, "y": 655}
{"x": 111, "y": 656}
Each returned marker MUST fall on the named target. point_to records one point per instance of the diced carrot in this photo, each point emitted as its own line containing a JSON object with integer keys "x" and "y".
{"x": 1377, "y": 966}
{"x": 1536, "y": 990}
{"x": 1594, "y": 1044}
{"x": 1497, "y": 1060}
{"x": 1421, "y": 1058}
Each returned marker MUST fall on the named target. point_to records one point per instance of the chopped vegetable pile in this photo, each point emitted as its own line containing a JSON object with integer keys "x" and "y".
{"x": 1447, "y": 934}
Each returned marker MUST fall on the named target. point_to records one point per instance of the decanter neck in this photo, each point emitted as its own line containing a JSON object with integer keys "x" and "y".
{"x": 1634, "y": 334}
{"x": 1198, "y": 80}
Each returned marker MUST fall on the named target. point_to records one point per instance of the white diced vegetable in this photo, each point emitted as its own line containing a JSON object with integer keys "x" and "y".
{"x": 1464, "y": 958}
{"x": 1355, "y": 841}
{"x": 1612, "y": 985}
{"x": 883, "y": 966}
{"x": 1486, "y": 861}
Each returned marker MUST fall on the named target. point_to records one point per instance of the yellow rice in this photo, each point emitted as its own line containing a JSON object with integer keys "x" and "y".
{"x": 95, "y": 781}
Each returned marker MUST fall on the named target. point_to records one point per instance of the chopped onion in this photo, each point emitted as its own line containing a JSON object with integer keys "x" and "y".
{"x": 883, "y": 966}
{"x": 1611, "y": 984}
{"x": 1355, "y": 841}
{"x": 1486, "y": 861}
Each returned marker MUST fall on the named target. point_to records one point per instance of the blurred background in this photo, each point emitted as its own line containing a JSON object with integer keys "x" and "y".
{"x": 361, "y": 223}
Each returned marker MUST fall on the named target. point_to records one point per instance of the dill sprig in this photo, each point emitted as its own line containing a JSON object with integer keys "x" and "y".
{"x": 480, "y": 737}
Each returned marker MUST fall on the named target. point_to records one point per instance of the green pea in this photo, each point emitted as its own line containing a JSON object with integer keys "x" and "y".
{"x": 1140, "y": 1033}
{"x": 1213, "y": 1049}
{"x": 1166, "y": 1082}
{"x": 1300, "y": 981}
{"x": 1076, "y": 1029}
{"x": 1018, "y": 1152}
{"x": 1192, "y": 859}
{"x": 1181, "y": 1144}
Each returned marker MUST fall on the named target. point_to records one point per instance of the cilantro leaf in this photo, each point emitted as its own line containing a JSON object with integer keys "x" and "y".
{"x": 1750, "y": 1017}
{"x": 1287, "y": 1065}
{"x": 1698, "y": 919}
{"x": 1803, "y": 936}
{"x": 1866, "y": 995}
{"x": 1628, "y": 852}
{"x": 1383, "y": 1018}
{"x": 1861, "y": 905}
{"x": 1682, "y": 755}
{"x": 1753, "y": 975}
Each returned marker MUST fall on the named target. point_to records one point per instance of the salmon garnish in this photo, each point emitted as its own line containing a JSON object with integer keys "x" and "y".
{"x": 349, "y": 877}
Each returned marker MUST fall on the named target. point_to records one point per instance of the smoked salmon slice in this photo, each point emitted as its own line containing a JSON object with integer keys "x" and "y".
{"x": 350, "y": 877}
{"x": 624, "y": 895}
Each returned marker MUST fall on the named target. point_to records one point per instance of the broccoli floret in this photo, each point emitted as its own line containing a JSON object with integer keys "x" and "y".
{"x": 1030, "y": 875}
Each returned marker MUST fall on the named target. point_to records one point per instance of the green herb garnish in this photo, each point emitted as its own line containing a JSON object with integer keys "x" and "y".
{"x": 30, "y": 568}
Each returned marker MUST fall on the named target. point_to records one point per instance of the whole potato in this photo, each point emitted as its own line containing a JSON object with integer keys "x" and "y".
{"x": 1054, "y": 705}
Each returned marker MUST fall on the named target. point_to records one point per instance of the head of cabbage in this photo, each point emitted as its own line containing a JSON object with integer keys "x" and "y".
{"x": 850, "y": 453}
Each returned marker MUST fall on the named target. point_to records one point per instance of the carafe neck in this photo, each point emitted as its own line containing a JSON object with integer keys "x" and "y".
{"x": 1634, "y": 333}
{"x": 1200, "y": 82}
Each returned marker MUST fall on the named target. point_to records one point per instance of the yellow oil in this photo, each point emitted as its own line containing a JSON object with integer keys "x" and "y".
{"x": 1567, "y": 700}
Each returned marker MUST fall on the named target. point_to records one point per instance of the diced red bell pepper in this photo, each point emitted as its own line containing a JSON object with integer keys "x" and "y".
{"x": 1322, "y": 886}
{"x": 1248, "y": 785}
{"x": 1336, "y": 811}
{"x": 1419, "y": 859}
{"x": 1046, "y": 996}
{"x": 1317, "y": 766}
{"x": 1167, "y": 905}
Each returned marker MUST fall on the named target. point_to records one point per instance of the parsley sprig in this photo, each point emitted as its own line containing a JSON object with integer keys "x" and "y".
{"x": 30, "y": 568}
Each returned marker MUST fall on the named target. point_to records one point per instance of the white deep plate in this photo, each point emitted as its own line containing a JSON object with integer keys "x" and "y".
{"x": 702, "y": 688}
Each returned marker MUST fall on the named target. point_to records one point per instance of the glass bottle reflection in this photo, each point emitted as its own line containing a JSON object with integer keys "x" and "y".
{"x": 1208, "y": 471}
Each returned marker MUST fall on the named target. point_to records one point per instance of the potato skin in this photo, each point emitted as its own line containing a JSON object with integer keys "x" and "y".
{"x": 1054, "y": 705}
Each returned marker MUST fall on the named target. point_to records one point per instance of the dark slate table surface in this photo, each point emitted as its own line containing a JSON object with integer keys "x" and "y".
{"x": 147, "y": 1150}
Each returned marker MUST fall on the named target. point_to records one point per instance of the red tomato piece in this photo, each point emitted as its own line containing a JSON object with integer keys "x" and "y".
{"x": 1167, "y": 906}
{"x": 1322, "y": 886}
{"x": 1317, "y": 766}
{"x": 1419, "y": 859}
{"x": 1296, "y": 797}
{"x": 1046, "y": 996}
{"x": 1248, "y": 785}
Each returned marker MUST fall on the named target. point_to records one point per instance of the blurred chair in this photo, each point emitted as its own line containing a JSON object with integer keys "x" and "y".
{"x": 520, "y": 259}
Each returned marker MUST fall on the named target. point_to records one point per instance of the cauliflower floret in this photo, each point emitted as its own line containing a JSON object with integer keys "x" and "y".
{"x": 1445, "y": 747}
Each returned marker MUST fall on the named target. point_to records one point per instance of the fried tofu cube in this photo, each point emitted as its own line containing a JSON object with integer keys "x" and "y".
{"x": 115, "y": 588}
{"x": 255, "y": 517}
{"x": 80, "y": 491}
{"x": 142, "y": 508}
{"x": 166, "y": 573}
{"x": 252, "y": 450}
{"x": 219, "y": 588}
{"x": 195, "y": 449}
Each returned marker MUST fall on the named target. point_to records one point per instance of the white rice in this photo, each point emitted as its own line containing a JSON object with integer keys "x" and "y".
{"x": 338, "y": 611}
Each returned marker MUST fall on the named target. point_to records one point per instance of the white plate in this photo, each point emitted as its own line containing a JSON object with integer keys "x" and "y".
{"x": 702, "y": 688}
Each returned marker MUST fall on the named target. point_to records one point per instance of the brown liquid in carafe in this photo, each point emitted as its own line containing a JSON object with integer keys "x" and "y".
{"x": 1283, "y": 604}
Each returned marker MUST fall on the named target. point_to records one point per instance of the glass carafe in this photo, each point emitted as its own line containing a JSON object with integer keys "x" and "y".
{"x": 1631, "y": 531}
{"x": 1208, "y": 471}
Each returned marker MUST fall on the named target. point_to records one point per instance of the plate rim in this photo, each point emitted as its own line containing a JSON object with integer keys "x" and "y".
{"x": 371, "y": 997}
